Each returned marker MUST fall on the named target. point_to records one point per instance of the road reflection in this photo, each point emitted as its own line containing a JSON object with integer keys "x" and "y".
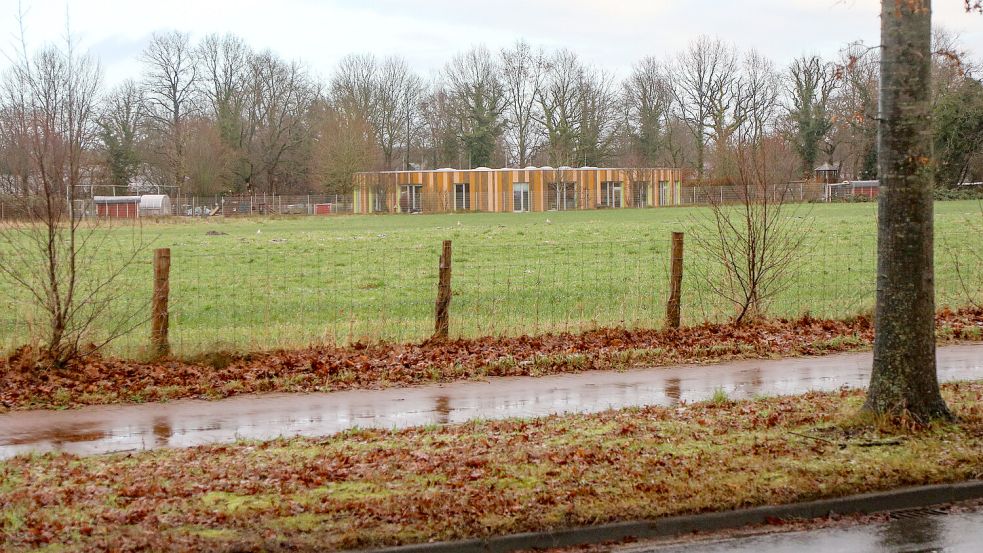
{"x": 186, "y": 423}
{"x": 949, "y": 533}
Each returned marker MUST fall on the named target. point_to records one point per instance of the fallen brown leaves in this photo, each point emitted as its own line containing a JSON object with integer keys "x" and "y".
{"x": 373, "y": 487}
{"x": 111, "y": 380}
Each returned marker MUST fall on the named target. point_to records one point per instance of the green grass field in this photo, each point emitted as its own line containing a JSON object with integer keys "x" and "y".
{"x": 289, "y": 282}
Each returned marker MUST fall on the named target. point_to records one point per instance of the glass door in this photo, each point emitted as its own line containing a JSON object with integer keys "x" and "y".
{"x": 520, "y": 196}
{"x": 561, "y": 196}
{"x": 379, "y": 200}
{"x": 611, "y": 194}
{"x": 641, "y": 190}
{"x": 411, "y": 198}
{"x": 462, "y": 197}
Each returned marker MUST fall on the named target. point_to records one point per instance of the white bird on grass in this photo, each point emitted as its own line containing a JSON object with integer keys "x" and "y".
{"x": 259, "y": 231}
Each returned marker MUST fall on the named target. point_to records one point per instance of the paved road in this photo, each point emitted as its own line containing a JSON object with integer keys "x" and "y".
{"x": 948, "y": 533}
{"x": 103, "y": 429}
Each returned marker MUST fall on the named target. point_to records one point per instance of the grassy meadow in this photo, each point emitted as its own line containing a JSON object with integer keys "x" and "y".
{"x": 258, "y": 283}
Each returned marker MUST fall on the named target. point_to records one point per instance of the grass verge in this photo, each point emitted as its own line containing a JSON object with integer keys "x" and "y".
{"x": 373, "y": 488}
{"x": 323, "y": 369}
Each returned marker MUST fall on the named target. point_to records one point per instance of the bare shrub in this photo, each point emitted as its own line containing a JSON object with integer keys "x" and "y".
{"x": 49, "y": 255}
{"x": 751, "y": 242}
{"x": 968, "y": 264}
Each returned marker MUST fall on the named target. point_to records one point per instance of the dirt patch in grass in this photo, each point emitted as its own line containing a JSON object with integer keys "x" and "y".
{"x": 372, "y": 488}
{"x": 218, "y": 375}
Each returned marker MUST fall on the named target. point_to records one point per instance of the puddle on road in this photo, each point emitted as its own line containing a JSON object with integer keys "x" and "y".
{"x": 949, "y": 533}
{"x": 184, "y": 423}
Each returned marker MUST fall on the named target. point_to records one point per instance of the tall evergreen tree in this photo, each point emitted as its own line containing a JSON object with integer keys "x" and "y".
{"x": 810, "y": 86}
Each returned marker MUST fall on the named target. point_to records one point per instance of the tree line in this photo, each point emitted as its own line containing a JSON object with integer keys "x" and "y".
{"x": 216, "y": 116}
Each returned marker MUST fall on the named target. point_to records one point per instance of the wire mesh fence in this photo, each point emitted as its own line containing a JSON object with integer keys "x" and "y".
{"x": 13, "y": 208}
{"x": 362, "y": 290}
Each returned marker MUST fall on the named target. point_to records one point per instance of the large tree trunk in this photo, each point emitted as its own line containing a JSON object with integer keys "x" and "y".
{"x": 904, "y": 379}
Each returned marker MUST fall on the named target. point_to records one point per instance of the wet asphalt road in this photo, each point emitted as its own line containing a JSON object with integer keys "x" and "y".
{"x": 184, "y": 423}
{"x": 945, "y": 533}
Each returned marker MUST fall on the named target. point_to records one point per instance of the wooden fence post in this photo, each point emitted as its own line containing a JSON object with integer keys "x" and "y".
{"x": 675, "y": 282}
{"x": 442, "y": 310}
{"x": 159, "y": 316}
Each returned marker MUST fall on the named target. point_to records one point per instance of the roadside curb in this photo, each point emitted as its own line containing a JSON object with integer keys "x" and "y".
{"x": 892, "y": 500}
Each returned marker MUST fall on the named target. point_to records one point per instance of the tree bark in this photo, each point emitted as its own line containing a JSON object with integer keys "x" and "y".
{"x": 442, "y": 309}
{"x": 904, "y": 380}
{"x": 673, "y": 317}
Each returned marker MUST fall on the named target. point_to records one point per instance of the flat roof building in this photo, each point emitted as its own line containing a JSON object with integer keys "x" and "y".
{"x": 117, "y": 207}
{"x": 515, "y": 190}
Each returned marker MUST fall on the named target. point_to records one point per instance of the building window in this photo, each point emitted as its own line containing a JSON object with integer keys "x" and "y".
{"x": 640, "y": 194}
{"x": 664, "y": 192}
{"x": 611, "y": 194}
{"x": 462, "y": 197}
{"x": 379, "y": 200}
{"x": 411, "y": 198}
{"x": 561, "y": 196}
{"x": 520, "y": 196}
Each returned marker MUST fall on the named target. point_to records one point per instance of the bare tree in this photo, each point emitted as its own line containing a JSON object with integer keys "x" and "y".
{"x": 120, "y": 125}
{"x": 170, "y": 78}
{"x": 854, "y": 136}
{"x": 210, "y": 163}
{"x": 680, "y": 151}
{"x": 758, "y": 102}
{"x": 706, "y": 88}
{"x": 477, "y": 100}
{"x": 352, "y": 87}
{"x": 904, "y": 380}
{"x": 224, "y": 69}
{"x": 440, "y": 137}
{"x": 396, "y": 93}
{"x": 15, "y": 159}
{"x": 597, "y": 117}
{"x": 558, "y": 102}
{"x": 647, "y": 99}
{"x": 50, "y": 97}
{"x": 522, "y": 75}
{"x": 342, "y": 146}
{"x": 280, "y": 96}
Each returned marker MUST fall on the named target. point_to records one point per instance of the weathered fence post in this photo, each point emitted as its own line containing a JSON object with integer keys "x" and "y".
{"x": 442, "y": 309}
{"x": 675, "y": 282}
{"x": 159, "y": 316}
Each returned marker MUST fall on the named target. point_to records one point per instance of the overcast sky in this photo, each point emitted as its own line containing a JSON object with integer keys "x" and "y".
{"x": 610, "y": 33}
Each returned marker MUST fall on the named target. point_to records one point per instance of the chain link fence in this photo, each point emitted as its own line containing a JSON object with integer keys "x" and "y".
{"x": 12, "y": 208}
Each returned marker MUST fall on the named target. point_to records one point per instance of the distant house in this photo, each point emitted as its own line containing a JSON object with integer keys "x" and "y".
{"x": 868, "y": 188}
{"x": 131, "y": 207}
{"x": 828, "y": 173}
{"x": 117, "y": 207}
{"x": 852, "y": 189}
{"x": 515, "y": 190}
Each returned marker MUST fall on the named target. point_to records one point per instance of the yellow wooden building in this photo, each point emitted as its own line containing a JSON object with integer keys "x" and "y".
{"x": 503, "y": 190}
